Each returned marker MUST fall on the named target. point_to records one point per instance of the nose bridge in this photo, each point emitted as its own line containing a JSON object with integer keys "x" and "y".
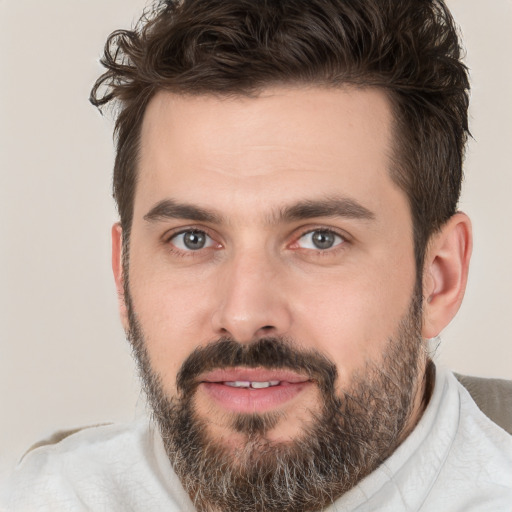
{"x": 251, "y": 302}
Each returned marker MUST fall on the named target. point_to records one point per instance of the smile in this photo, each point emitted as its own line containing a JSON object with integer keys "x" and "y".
{"x": 254, "y": 385}
{"x": 252, "y": 390}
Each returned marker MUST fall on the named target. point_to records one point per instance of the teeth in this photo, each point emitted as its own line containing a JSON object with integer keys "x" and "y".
{"x": 260, "y": 385}
{"x": 239, "y": 384}
{"x": 254, "y": 385}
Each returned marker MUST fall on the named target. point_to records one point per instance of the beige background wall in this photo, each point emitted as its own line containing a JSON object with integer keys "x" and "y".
{"x": 63, "y": 358}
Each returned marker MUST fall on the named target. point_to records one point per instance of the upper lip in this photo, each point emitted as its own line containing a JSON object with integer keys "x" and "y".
{"x": 253, "y": 375}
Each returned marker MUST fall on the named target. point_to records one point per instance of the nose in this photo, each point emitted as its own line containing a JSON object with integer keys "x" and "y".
{"x": 252, "y": 300}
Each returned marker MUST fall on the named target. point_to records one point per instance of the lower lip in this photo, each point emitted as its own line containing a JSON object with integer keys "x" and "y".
{"x": 249, "y": 400}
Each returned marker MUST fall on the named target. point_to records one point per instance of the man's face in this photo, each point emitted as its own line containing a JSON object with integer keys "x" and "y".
{"x": 271, "y": 218}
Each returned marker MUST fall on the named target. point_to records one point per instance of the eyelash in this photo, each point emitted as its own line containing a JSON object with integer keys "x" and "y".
{"x": 323, "y": 252}
{"x": 317, "y": 252}
{"x": 191, "y": 253}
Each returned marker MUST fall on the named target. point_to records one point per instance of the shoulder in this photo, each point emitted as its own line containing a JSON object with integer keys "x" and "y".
{"x": 481, "y": 454}
{"x": 472, "y": 454}
{"x": 108, "y": 467}
{"x": 88, "y": 448}
{"x": 492, "y": 396}
{"x": 483, "y": 422}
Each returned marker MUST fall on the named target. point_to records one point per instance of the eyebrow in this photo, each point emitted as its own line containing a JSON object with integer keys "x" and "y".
{"x": 170, "y": 209}
{"x": 303, "y": 210}
{"x": 328, "y": 207}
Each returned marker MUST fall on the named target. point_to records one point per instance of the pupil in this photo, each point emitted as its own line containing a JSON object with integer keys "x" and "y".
{"x": 323, "y": 239}
{"x": 194, "y": 240}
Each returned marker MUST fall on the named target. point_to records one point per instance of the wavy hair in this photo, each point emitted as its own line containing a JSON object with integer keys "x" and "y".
{"x": 408, "y": 48}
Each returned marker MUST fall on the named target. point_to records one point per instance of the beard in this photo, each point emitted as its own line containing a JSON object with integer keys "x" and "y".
{"x": 353, "y": 431}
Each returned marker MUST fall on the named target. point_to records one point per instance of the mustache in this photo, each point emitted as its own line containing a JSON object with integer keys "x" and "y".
{"x": 268, "y": 352}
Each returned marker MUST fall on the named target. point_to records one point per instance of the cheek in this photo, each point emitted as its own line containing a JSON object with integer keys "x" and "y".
{"x": 174, "y": 314}
{"x": 351, "y": 316}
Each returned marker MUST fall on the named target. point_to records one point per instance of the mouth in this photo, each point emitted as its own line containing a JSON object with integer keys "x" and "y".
{"x": 252, "y": 390}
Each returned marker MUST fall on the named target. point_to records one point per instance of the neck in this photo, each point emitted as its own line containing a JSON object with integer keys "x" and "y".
{"x": 425, "y": 388}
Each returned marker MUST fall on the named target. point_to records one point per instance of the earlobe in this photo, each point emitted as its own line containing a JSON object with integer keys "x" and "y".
{"x": 117, "y": 268}
{"x": 445, "y": 274}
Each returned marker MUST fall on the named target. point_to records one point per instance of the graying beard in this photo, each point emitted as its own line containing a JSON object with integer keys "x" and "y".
{"x": 255, "y": 424}
{"x": 351, "y": 437}
{"x": 335, "y": 451}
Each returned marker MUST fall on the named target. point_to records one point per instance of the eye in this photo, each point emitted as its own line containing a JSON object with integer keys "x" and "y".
{"x": 319, "y": 239}
{"x": 192, "y": 240}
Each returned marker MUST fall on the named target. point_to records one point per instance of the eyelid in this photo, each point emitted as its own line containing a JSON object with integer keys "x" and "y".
{"x": 345, "y": 237}
{"x": 169, "y": 235}
{"x": 300, "y": 232}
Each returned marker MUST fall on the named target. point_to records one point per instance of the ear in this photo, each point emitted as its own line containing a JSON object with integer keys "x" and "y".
{"x": 446, "y": 273}
{"x": 117, "y": 268}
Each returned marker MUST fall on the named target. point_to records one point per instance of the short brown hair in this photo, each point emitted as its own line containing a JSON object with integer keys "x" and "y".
{"x": 409, "y": 48}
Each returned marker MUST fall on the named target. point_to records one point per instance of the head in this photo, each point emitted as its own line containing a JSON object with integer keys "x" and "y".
{"x": 287, "y": 176}
{"x": 408, "y": 49}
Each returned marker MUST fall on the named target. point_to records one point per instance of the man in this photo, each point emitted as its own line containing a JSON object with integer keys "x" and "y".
{"x": 287, "y": 177}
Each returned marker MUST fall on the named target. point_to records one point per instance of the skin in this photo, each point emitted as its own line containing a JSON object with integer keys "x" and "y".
{"x": 245, "y": 160}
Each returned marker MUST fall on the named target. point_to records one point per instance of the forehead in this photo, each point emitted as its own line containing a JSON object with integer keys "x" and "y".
{"x": 282, "y": 146}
